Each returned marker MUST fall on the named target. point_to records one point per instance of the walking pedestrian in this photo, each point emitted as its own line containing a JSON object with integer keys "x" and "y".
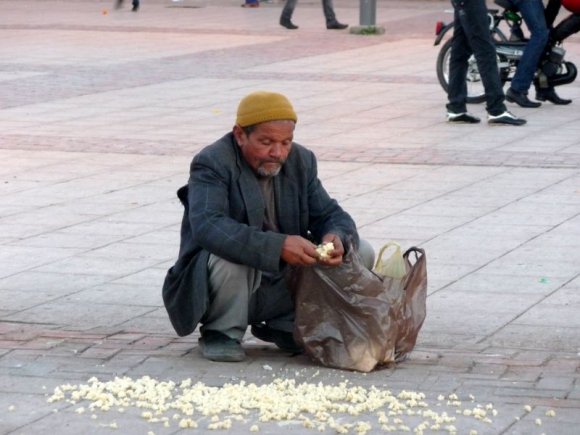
{"x": 471, "y": 35}
{"x": 135, "y": 3}
{"x": 533, "y": 14}
{"x": 331, "y": 21}
{"x": 568, "y": 26}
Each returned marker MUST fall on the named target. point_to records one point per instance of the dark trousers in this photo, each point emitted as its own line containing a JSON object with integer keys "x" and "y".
{"x": 471, "y": 35}
{"x": 533, "y": 14}
{"x": 568, "y": 26}
{"x": 326, "y": 8}
{"x": 135, "y": 3}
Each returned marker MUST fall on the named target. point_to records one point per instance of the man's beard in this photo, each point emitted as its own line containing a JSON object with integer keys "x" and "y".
{"x": 263, "y": 172}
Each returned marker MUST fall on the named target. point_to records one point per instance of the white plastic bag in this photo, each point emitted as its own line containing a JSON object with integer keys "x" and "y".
{"x": 394, "y": 265}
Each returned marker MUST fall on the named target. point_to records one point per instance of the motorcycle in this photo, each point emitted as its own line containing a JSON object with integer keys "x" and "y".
{"x": 553, "y": 70}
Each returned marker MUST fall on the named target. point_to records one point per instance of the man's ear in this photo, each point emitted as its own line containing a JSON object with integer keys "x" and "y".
{"x": 239, "y": 134}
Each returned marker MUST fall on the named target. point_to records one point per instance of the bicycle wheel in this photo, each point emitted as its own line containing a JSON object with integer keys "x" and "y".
{"x": 475, "y": 90}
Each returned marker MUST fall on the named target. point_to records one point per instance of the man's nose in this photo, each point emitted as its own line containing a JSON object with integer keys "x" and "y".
{"x": 276, "y": 150}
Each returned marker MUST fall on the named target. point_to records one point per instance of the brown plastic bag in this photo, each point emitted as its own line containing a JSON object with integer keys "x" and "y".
{"x": 350, "y": 318}
{"x": 407, "y": 295}
{"x": 342, "y": 315}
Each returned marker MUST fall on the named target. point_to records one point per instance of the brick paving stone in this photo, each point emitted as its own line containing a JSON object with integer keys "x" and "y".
{"x": 40, "y": 344}
{"x": 128, "y": 337}
{"x": 557, "y": 383}
{"x": 530, "y": 393}
{"x": 28, "y": 384}
{"x": 151, "y": 343}
{"x": 491, "y": 370}
{"x": 499, "y": 383}
{"x": 10, "y": 344}
{"x": 524, "y": 373}
{"x": 94, "y": 143}
{"x": 100, "y": 353}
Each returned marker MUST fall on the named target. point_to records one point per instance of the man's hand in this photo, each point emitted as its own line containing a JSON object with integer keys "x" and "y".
{"x": 297, "y": 251}
{"x": 335, "y": 256}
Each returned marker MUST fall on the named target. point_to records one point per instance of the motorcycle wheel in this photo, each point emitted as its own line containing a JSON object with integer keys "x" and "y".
{"x": 475, "y": 90}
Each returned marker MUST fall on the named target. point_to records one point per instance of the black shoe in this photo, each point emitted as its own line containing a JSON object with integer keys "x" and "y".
{"x": 336, "y": 26}
{"x": 217, "y": 346}
{"x": 135, "y": 7}
{"x": 284, "y": 340}
{"x": 288, "y": 24}
{"x": 520, "y": 99}
{"x": 551, "y": 96}
{"x": 462, "y": 118}
{"x": 505, "y": 118}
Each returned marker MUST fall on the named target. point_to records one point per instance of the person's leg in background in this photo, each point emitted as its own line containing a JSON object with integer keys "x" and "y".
{"x": 457, "y": 87}
{"x": 331, "y": 21}
{"x": 568, "y": 26}
{"x": 472, "y": 15}
{"x": 534, "y": 16}
{"x": 286, "y": 16}
{"x": 135, "y": 3}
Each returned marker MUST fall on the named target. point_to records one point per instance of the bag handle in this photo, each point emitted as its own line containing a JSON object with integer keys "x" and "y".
{"x": 384, "y": 248}
{"x": 419, "y": 252}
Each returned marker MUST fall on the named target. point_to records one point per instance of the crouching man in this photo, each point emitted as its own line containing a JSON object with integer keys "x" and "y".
{"x": 253, "y": 207}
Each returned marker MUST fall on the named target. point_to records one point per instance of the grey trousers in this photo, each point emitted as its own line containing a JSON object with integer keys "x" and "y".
{"x": 326, "y": 8}
{"x": 241, "y": 295}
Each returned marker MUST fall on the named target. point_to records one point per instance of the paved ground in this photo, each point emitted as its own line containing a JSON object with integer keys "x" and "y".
{"x": 100, "y": 114}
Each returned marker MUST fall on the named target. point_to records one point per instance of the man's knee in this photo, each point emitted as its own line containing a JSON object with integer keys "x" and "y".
{"x": 225, "y": 274}
{"x": 367, "y": 254}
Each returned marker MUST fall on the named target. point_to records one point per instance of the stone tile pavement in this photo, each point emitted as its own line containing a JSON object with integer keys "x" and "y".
{"x": 100, "y": 114}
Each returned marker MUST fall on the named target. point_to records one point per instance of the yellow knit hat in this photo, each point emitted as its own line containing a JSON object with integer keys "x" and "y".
{"x": 263, "y": 106}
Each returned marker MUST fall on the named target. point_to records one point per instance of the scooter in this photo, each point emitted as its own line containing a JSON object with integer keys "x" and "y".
{"x": 553, "y": 70}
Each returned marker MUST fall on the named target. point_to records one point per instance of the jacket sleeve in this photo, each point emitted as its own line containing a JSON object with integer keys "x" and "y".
{"x": 219, "y": 226}
{"x": 326, "y": 215}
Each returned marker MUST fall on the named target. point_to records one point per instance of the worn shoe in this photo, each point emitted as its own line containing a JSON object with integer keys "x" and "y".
{"x": 135, "y": 7}
{"x": 505, "y": 118}
{"x": 462, "y": 118}
{"x": 551, "y": 96}
{"x": 288, "y": 24}
{"x": 217, "y": 346}
{"x": 520, "y": 99}
{"x": 284, "y": 340}
{"x": 336, "y": 26}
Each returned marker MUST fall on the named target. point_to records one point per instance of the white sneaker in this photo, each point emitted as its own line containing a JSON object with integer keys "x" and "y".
{"x": 506, "y": 118}
{"x": 462, "y": 118}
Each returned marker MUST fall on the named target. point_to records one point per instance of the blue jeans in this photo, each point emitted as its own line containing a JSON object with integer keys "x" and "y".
{"x": 471, "y": 35}
{"x": 533, "y": 14}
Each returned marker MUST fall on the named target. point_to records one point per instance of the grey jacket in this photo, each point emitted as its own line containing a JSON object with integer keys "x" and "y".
{"x": 224, "y": 213}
